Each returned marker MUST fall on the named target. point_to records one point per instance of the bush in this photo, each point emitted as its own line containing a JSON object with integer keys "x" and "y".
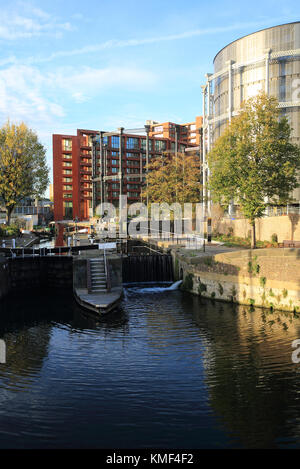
{"x": 274, "y": 238}
{"x": 8, "y": 231}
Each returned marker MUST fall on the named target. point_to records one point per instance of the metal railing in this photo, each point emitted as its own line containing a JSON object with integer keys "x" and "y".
{"x": 106, "y": 270}
{"x": 41, "y": 252}
{"x": 191, "y": 241}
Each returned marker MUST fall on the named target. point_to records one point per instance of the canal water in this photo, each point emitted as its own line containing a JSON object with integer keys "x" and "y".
{"x": 168, "y": 370}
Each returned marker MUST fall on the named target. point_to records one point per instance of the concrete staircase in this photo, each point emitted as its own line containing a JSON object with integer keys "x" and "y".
{"x": 98, "y": 275}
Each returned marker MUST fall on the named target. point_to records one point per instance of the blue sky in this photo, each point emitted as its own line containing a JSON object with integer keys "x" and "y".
{"x": 101, "y": 64}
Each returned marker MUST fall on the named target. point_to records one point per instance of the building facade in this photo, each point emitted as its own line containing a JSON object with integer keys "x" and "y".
{"x": 93, "y": 167}
{"x": 189, "y": 133}
{"x": 267, "y": 60}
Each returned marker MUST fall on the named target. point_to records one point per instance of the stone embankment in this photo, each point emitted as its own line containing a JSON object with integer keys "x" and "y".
{"x": 269, "y": 278}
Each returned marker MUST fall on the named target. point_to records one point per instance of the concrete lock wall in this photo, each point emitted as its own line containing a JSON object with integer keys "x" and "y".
{"x": 41, "y": 272}
{"x": 286, "y": 227}
{"x": 80, "y": 273}
{"x": 268, "y": 278}
{"x": 115, "y": 271}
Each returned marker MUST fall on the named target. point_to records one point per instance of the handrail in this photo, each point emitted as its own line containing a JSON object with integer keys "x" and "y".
{"x": 106, "y": 270}
{"x": 88, "y": 277}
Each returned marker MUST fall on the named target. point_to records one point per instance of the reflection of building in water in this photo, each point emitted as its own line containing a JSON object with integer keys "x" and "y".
{"x": 250, "y": 375}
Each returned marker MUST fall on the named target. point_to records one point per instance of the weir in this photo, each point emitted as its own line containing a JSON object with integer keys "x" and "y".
{"x": 147, "y": 268}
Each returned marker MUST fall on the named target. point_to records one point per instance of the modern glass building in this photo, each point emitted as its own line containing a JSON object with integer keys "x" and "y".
{"x": 267, "y": 60}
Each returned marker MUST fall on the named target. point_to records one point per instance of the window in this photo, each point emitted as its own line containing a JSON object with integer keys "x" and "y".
{"x": 115, "y": 194}
{"x": 67, "y": 156}
{"x": 133, "y": 163}
{"x": 115, "y": 141}
{"x": 67, "y": 171}
{"x": 67, "y": 144}
{"x": 67, "y": 188}
{"x": 115, "y": 162}
{"x": 132, "y": 143}
{"x": 193, "y": 127}
{"x": 132, "y": 171}
{"x": 133, "y": 194}
{"x": 115, "y": 185}
{"x": 114, "y": 170}
{"x": 159, "y": 129}
{"x": 68, "y": 210}
{"x": 68, "y": 180}
{"x": 115, "y": 154}
{"x": 67, "y": 163}
{"x": 160, "y": 145}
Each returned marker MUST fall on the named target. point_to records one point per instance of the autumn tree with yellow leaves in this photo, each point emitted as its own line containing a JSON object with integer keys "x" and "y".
{"x": 173, "y": 178}
{"x": 23, "y": 168}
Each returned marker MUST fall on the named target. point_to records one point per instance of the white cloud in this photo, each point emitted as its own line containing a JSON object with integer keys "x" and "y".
{"x": 25, "y": 21}
{"x": 87, "y": 82}
{"x": 26, "y": 93}
{"x": 22, "y": 96}
{"x": 115, "y": 44}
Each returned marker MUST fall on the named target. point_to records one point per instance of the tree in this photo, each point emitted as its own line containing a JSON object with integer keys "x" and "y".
{"x": 23, "y": 168}
{"x": 254, "y": 160}
{"x": 173, "y": 178}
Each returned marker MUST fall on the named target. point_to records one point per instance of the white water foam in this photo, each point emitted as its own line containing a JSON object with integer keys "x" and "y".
{"x": 174, "y": 286}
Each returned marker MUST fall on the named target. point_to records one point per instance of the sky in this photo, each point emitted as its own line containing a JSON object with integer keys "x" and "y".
{"x": 103, "y": 64}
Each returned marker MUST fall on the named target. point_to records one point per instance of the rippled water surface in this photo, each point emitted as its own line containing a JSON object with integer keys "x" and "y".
{"x": 168, "y": 370}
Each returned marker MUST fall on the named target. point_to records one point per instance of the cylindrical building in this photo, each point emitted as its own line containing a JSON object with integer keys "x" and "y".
{"x": 267, "y": 60}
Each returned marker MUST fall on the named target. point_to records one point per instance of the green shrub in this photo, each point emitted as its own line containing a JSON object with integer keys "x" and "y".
{"x": 188, "y": 282}
{"x": 262, "y": 281}
{"x": 201, "y": 288}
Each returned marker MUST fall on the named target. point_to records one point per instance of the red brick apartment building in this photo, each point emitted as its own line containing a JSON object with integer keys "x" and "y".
{"x": 189, "y": 133}
{"x": 89, "y": 169}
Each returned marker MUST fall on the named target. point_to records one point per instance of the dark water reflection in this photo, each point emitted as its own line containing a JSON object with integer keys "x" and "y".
{"x": 168, "y": 370}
